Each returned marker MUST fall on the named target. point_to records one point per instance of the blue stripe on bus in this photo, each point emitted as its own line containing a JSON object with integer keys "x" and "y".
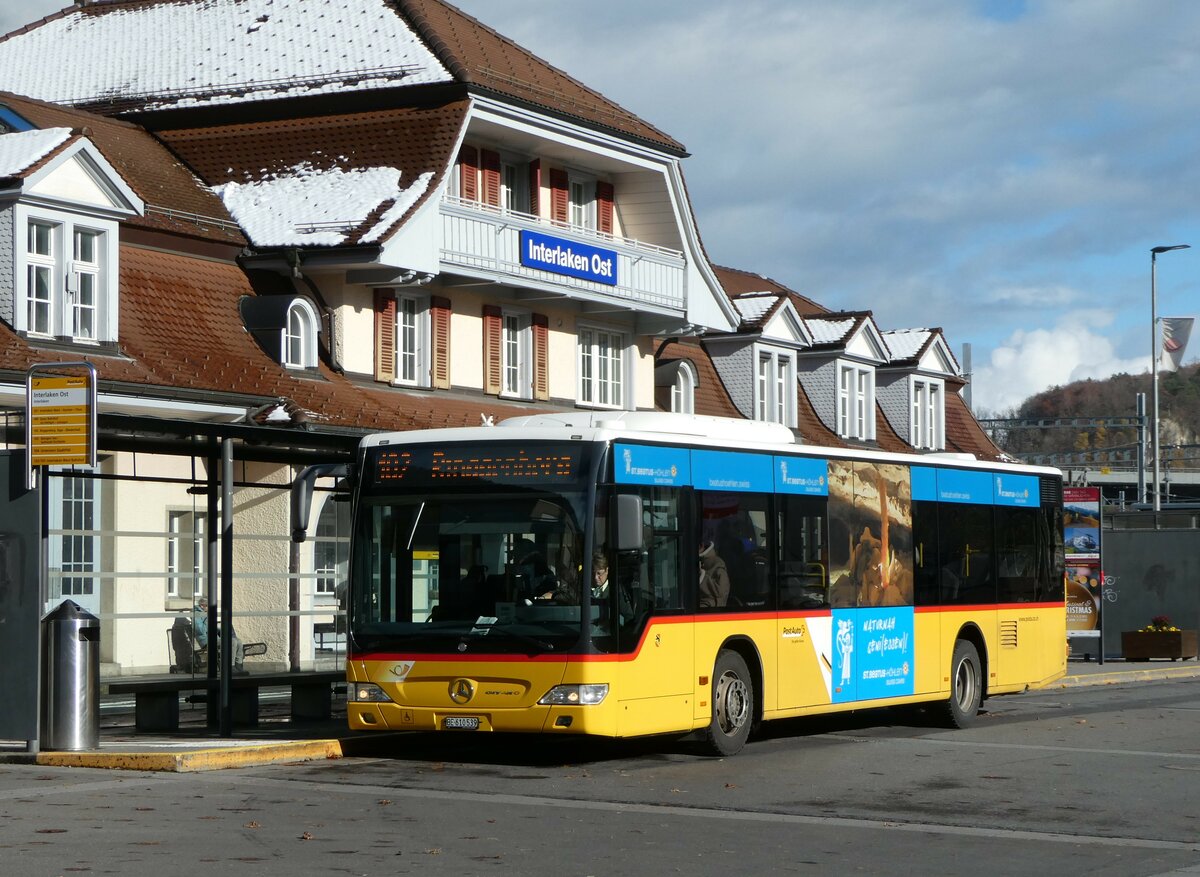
{"x": 802, "y": 475}
{"x": 924, "y": 483}
{"x": 809, "y": 476}
{"x": 960, "y": 485}
{"x": 649, "y": 464}
{"x": 722, "y": 470}
{"x": 1018, "y": 490}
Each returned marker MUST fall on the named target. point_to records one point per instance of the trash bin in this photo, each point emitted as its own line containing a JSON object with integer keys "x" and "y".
{"x": 70, "y": 679}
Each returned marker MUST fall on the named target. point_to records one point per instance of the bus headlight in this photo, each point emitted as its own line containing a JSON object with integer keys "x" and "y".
{"x": 368, "y": 692}
{"x": 575, "y": 695}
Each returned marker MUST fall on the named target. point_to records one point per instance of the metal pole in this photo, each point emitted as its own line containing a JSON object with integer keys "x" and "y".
{"x": 1141, "y": 446}
{"x": 226, "y": 585}
{"x": 1154, "y": 366}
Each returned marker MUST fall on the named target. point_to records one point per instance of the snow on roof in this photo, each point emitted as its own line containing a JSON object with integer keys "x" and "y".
{"x": 310, "y": 207}
{"x": 828, "y": 331}
{"x": 906, "y": 343}
{"x": 21, "y": 150}
{"x": 753, "y": 306}
{"x": 221, "y": 51}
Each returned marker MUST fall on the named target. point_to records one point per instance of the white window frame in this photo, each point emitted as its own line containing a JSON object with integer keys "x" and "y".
{"x": 185, "y": 531}
{"x": 298, "y": 341}
{"x": 855, "y": 401}
{"x": 516, "y": 354}
{"x": 63, "y": 307}
{"x": 514, "y": 184}
{"x": 603, "y": 368}
{"x": 412, "y": 340}
{"x": 581, "y": 210}
{"x": 331, "y": 548}
{"x": 85, "y": 277}
{"x": 775, "y": 386}
{"x": 75, "y": 538}
{"x": 683, "y": 390}
{"x": 927, "y": 413}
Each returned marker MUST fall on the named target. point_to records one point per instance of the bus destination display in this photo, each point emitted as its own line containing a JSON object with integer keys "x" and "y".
{"x": 514, "y": 464}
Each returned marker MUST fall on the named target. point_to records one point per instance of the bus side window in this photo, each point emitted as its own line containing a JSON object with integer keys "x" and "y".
{"x": 803, "y": 554}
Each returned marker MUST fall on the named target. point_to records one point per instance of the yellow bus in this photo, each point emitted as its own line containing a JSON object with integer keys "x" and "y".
{"x": 622, "y": 574}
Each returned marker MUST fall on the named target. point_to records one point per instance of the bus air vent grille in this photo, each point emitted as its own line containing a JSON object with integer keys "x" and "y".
{"x": 1008, "y": 634}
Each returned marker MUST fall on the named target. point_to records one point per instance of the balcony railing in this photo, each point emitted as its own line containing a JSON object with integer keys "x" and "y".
{"x": 486, "y": 241}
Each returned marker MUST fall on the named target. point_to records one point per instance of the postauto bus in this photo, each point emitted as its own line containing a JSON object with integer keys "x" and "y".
{"x": 628, "y": 574}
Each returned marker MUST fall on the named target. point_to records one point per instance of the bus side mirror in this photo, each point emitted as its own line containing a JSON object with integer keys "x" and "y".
{"x": 629, "y": 522}
{"x": 302, "y": 493}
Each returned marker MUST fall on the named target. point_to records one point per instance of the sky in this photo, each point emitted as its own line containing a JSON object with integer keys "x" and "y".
{"x": 999, "y": 169}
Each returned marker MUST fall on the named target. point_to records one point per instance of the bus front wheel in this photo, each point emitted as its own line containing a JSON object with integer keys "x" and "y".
{"x": 732, "y": 704}
{"x": 966, "y": 685}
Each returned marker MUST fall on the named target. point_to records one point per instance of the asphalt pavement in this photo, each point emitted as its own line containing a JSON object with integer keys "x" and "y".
{"x": 195, "y": 746}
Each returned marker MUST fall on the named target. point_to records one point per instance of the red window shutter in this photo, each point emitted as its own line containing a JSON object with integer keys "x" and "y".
{"x": 559, "y": 195}
{"x": 604, "y": 207}
{"x": 490, "y": 162}
{"x": 468, "y": 165}
{"x": 439, "y": 310}
{"x": 535, "y": 186}
{"x": 541, "y": 357}
{"x": 385, "y": 335}
{"x": 492, "y": 338}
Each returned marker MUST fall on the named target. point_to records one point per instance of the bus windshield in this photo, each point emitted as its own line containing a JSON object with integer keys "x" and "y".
{"x": 470, "y": 571}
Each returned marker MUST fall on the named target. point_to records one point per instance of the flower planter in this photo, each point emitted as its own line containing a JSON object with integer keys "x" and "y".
{"x": 1146, "y": 645}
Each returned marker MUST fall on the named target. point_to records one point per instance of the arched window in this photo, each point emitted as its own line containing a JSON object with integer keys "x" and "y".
{"x": 683, "y": 391}
{"x": 300, "y": 335}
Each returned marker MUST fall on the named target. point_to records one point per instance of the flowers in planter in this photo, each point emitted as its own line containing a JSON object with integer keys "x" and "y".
{"x": 1158, "y": 624}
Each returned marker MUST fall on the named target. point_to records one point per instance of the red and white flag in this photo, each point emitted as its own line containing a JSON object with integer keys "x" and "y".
{"x": 1175, "y": 333}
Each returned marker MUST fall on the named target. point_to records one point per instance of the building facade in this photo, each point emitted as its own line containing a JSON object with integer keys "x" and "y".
{"x": 313, "y": 222}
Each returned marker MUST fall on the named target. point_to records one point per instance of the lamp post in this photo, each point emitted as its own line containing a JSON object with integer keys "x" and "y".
{"x": 1155, "y": 347}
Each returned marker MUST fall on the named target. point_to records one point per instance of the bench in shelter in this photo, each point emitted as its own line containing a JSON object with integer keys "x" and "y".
{"x": 156, "y": 699}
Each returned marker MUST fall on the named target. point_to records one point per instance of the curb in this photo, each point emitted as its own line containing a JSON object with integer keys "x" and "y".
{"x": 1119, "y": 677}
{"x": 216, "y": 758}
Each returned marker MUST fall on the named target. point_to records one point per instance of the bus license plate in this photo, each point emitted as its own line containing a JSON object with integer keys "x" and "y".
{"x": 462, "y": 723}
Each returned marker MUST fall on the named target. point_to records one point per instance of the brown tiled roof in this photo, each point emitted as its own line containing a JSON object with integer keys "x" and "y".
{"x": 175, "y": 199}
{"x": 813, "y": 430}
{"x": 737, "y": 282}
{"x": 477, "y": 55}
{"x": 413, "y": 140}
{"x": 712, "y": 399}
{"x": 180, "y": 329}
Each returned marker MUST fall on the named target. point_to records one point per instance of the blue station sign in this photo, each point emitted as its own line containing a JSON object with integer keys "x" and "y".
{"x": 572, "y": 258}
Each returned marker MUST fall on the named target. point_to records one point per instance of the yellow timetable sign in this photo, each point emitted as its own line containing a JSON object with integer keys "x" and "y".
{"x": 60, "y": 420}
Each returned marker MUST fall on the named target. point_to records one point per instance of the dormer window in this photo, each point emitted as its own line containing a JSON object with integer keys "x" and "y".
{"x": 927, "y": 425}
{"x": 69, "y": 277}
{"x": 775, "y": 388}
{"x": 856, "y": 401}
{"x": 300, "y": 335}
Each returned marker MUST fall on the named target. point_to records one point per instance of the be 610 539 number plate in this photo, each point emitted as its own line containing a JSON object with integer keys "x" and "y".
{"x": 461, "y": 723}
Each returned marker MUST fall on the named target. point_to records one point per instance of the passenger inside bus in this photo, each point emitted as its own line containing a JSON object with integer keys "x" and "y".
{"x": 714, "y": 578}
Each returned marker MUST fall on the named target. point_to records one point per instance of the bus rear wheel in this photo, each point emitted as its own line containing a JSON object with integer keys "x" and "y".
{"x": 966, "y": 685}
{"x": 732, "y": 704}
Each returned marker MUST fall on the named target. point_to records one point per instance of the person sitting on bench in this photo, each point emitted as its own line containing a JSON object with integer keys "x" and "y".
{"x": 201, "y": 627}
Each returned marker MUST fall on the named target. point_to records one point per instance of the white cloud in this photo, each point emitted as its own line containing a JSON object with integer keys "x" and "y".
{"x": 1031, "y": 360}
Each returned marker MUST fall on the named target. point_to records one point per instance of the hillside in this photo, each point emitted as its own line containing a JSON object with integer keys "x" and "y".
{"x": 1179, "y": 419}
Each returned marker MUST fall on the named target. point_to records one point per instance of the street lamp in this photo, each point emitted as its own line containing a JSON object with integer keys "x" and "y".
{"x": 1155, "y": 346}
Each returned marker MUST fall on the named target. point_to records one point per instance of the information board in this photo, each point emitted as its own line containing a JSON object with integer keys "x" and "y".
{"x": 60, "y": 415}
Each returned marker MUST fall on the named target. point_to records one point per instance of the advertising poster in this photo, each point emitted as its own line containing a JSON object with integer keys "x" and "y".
{"x": 872, "y": 653}
{"x": 1083, "y": 597}
{"x": 1081, "y": 523}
